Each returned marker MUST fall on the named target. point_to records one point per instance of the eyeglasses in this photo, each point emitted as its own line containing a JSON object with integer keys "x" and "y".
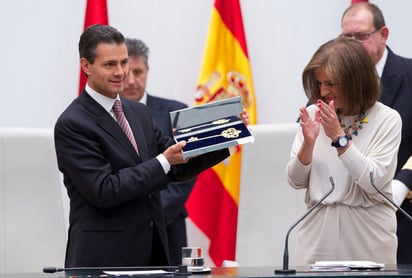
{"x": 359, "y": 36}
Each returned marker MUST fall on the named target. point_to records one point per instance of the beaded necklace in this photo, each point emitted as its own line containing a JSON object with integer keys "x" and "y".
{"x": 356, "y": 126}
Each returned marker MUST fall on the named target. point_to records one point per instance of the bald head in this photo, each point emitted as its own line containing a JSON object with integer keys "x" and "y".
{"x": 365, "y": 22}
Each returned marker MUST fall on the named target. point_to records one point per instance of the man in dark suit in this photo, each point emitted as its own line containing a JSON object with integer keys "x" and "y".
{"x": 365, "y": 22}
{"x": 116, "y": 218}
{"x": 174, "y": 196}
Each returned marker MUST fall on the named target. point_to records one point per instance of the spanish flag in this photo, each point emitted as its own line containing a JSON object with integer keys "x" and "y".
{"x": 96, "y": 13}
{"x": 213, "y": 203}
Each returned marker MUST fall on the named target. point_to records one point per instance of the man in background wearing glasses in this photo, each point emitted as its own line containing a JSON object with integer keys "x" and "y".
{"x": 365, "y": 22}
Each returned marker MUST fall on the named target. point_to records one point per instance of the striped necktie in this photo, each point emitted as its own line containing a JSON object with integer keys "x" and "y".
{"x": 122, "y": 121}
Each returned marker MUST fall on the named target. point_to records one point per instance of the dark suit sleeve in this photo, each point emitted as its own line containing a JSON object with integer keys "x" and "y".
{"x": 396, "y": 84}
{"x": 198, "y": 164}
{"x": 160, "y": 109}
{"x": 405, "y": 176}
{"x": 174, "y": 197}
{"x": 100, "y": 169}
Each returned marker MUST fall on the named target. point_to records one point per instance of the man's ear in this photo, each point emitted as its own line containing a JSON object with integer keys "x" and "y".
{"x": 384, "y": 33}
{"x": 85, "y": 65}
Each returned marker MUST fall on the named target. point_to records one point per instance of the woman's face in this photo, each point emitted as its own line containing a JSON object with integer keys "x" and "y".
{"x": 328, "y": 89}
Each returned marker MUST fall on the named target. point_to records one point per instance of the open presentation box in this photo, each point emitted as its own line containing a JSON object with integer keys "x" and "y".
{"x": 211, "y": 126}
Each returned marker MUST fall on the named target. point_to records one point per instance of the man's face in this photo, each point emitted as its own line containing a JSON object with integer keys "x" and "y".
{"x": 106, "y": 75}
{"x": 135, "y": 83}
{"x": 361, "y": 21}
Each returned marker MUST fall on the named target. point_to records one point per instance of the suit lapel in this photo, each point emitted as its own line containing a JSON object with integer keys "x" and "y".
{"x": 390, "y": 82}
{"x": 154, "y": 103}
{"x": 159, "y": 113}
{"x": 108, "y": 124}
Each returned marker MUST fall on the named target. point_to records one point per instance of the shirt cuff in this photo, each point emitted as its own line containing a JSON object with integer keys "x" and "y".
{"x": 399, "y": 191}
{"x": 163, "y": 161}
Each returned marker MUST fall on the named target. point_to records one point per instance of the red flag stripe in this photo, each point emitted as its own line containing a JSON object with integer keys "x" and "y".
{"x": 215, "y": 200}
{"x": 96, "y": 13}
{"x": 212, "y": 205}
{"x": 226, "y": 10}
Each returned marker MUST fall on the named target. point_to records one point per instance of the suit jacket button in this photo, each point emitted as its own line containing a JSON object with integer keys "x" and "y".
{"x": 149, "y": 196}
{"x": 151, "y": 223}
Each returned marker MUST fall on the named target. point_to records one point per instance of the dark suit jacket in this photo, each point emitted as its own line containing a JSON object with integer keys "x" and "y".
{"x": 115, "y": 208}
{"x": 396, "y": 83}
{"x": 176, "y": 194}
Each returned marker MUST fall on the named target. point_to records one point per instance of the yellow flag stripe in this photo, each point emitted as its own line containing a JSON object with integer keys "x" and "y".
{"x": 229, "y": 175}
{"x": 224, "y": 54}
{"x": 224, "y": 58}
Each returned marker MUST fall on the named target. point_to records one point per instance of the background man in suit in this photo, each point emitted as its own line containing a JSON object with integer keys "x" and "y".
{"x": 116, "y": 218}
{"x": 174, "y": 196}
{"x": 365, "y": 22}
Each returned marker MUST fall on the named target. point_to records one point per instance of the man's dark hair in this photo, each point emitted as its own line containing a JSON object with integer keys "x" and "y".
{"x": 94, "y": 35}
{"x": 137, "y": 48}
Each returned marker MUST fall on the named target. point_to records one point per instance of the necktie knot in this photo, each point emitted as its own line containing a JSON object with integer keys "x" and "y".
{"x": 117, "y": 107}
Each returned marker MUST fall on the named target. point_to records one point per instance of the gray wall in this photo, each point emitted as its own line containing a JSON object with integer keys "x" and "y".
{"x": 39, "y": 54}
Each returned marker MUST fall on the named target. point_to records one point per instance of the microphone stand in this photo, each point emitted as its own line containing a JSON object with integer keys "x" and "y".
{"x": 285, "y": 269}
{"x": 52, "y": 269}
{"x": 387, "y": 198}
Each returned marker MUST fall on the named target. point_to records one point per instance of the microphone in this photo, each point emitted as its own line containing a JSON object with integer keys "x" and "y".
{"x": 52, "y": 269}
{"x": 285, "y": 269}
{"x": 387, "y": 198}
